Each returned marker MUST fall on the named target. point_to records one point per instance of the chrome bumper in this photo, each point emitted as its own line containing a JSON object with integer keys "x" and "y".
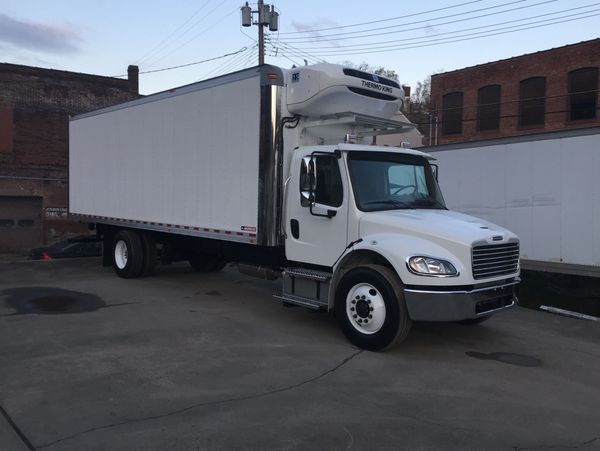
{"x": 456, "y": 305}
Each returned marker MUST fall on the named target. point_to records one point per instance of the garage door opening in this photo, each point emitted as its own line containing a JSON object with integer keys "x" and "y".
{"x": 20, "y": 223}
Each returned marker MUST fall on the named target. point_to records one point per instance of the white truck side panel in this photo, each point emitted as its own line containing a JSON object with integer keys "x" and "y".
{"x": 189, "y": 159}
{"x": 546, "y": 191}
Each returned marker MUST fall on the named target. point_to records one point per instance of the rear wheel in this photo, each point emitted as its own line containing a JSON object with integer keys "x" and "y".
{"x": 370, "y": 308}
{"x": 128, "y": 254}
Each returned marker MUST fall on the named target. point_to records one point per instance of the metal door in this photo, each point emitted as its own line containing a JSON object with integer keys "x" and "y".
{"x": 20, "y": 223}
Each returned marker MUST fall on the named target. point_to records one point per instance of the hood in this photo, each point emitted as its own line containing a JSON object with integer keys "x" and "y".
{"x": 438, "y": 225}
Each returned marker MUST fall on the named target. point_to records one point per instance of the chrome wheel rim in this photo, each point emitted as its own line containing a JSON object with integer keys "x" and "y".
{"x": 365, "y": 308}
{"x": 121, "y": 254}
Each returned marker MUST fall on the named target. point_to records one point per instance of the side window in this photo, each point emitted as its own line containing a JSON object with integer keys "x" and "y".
{"x": 329, "y": 189}
{"x": 329, "y": 181}
{"x": 6, "y": 223}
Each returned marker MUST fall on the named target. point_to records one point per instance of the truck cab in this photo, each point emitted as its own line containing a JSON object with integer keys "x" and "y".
{"x": 367, "y": 233}
{"x": 370, "y": 226}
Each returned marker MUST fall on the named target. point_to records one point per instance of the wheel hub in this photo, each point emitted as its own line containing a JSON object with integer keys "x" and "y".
{"x": 365, "y": 308}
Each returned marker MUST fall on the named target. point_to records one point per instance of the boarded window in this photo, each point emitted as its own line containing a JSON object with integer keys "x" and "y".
{"x": 488, "y": 108}
{"x": 532, "y": 101}
{"x": 6, "y": 128}
{"x": 583, "y": 94}
{"x": 452, "y": 111}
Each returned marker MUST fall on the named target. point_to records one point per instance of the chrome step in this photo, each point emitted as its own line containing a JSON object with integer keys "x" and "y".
{"x": 301, "y": 301}
{"x": 310, "y": 274}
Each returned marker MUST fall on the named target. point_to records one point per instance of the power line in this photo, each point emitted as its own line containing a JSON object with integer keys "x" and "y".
{"x": 381, "y": 20}
{"x": 529, "y": 99}
{"x": 449, "y": 41}
{"x": 161, "y": 43}
{"x": 357, "y": 46}
{"x": 294, "y": 50}
{"x": 508, "y": 116}
{"x": 243, "y": 49}
{"x": 428, "y": 23}
{"x": 195, "y": 24}
{"x": 287, "y": 53}
{"x": 222, "y": 68}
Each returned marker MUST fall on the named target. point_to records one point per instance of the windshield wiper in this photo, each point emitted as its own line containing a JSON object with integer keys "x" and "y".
{"x": 428, "y": 202}
{"x": 397, "y": 203}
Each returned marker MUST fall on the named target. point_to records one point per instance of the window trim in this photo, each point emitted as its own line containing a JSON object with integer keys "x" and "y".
{"x": 570, "y": 94}
{"x": 339, "y": 172}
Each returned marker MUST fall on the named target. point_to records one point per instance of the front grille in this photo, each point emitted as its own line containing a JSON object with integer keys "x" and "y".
{"x": 491, "y": 260}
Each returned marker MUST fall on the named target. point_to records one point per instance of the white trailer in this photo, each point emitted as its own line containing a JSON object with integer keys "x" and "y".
{"x": 273, "y": 170}
{"x": 544, "y": 186}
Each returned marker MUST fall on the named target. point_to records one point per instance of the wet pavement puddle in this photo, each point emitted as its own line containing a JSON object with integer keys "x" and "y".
{"x": 506, "y": 357}
{"x": 51, "y": 301}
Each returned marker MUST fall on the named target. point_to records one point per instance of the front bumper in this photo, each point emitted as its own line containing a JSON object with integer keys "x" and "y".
{"x": 455, "y": 305}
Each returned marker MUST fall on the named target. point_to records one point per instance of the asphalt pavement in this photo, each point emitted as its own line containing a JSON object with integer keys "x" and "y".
{"x": 190, "y": 361}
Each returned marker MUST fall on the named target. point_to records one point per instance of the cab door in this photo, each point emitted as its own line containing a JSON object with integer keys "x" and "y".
{"x": 317, "y": 234}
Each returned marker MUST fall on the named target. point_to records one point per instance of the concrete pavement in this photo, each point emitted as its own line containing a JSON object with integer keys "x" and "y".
{"x": 186, "y": 361}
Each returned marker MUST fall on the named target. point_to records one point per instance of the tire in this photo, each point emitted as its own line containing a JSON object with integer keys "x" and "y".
{"x": 128, "y": 254}
{"x": 474, "y": 321}
{"x": 370, "y": 308}
{"x": 149, "y": 252}
{"x": 207, "y": 263}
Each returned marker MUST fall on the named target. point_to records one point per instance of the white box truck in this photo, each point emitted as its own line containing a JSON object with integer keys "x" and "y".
{"x": 543, "y": 186}
{"x": 274, "y": 170}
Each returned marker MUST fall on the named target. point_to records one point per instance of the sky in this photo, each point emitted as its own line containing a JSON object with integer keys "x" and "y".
{"x": 413, "y": 38}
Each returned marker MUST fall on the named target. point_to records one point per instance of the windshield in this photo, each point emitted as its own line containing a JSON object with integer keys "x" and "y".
{"x": 390, "y": 181}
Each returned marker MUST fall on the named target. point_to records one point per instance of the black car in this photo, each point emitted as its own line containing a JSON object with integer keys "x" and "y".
{"x": 78, "y": 246}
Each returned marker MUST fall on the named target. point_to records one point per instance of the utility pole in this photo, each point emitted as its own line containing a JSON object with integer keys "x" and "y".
{"x": 264, "y": 15}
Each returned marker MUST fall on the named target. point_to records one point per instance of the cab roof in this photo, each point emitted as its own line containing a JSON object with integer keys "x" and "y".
{"x": 368, "y": 148}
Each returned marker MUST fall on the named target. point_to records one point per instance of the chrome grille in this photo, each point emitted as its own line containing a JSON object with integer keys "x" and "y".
{"x": 491, "y": 260}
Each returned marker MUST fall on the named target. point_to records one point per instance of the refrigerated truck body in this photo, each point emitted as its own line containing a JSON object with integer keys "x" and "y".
{"x": 274, "y": 170}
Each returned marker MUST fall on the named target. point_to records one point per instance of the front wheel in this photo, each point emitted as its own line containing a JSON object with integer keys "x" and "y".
{"x": 370, "y": 308}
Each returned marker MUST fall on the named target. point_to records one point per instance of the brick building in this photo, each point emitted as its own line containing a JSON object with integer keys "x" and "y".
{"x": 549, "y": 90}
{"x": 35, "y": 105}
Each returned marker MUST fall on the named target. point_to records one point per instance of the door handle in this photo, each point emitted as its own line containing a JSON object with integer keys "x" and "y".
{"x": 295, "y": 228}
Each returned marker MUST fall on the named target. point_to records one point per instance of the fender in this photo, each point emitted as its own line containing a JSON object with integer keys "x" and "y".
{"x": 396, "y": 248}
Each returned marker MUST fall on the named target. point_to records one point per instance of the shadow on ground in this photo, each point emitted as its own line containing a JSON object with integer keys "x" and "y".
{"x": 575, "y": 293}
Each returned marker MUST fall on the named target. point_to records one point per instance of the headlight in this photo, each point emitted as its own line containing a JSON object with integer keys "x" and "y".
{"x": 426, "y": 266}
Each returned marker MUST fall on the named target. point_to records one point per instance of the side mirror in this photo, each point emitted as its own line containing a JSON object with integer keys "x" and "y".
{"x": 308, "y": 181}
{"x": 306, "y": 198}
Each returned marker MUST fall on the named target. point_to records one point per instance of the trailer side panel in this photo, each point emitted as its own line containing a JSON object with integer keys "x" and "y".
{"x": 189, "y": 158}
